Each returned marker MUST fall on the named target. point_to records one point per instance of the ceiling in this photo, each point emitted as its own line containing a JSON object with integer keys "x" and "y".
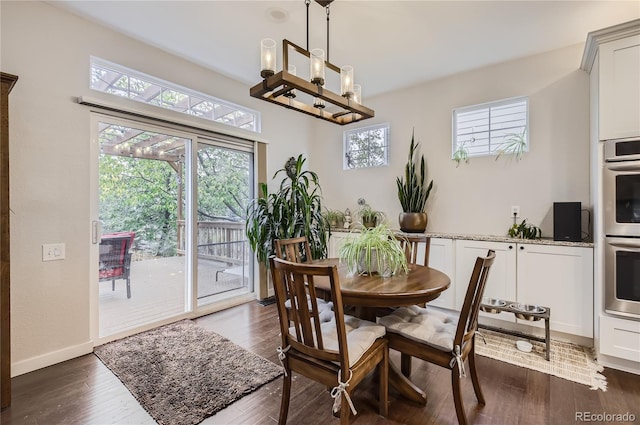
{"x": 390, "y": 44}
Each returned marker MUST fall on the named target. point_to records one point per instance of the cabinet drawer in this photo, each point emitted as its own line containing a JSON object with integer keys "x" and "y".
{"x": 620, "y": 338}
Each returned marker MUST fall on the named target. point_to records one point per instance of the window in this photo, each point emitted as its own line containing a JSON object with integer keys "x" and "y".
{"x": 366, "y": 147}
{"x": 493, "y": 128}
{"x": 111, "y": 78}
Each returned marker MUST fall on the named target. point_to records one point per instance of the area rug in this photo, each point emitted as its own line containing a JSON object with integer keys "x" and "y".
{"x": 181, "y": 373}
{"x": 568, "y": 361}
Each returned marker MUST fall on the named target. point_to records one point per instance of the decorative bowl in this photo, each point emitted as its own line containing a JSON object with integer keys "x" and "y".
{"x": 524, "y": 346}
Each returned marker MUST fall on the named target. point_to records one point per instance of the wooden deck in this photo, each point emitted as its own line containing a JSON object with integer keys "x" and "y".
{"x": 158, "y": 291}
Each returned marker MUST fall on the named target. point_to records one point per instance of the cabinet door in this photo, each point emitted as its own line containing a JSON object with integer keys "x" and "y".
{"x": 335, "y": 242}
{"x": 501, "y": 283}
{"x": 441, "y": 257}
{"x": 561, "y": 278}
{"x": 620, "y": 88}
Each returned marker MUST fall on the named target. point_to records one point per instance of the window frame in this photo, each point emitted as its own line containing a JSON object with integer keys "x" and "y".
{"x": 346, "y": 138}
{"x": 166, "y": 86}
{"x": 493, "y": 147}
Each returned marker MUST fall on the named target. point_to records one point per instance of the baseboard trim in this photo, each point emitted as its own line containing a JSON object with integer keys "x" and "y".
{"x": 48, "y": 359}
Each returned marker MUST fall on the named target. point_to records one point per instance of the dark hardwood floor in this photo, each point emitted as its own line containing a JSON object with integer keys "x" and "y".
{"x": 84, "y": 391}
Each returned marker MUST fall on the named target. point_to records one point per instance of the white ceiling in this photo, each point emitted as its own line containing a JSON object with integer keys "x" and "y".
{"x": 390, "y": 44}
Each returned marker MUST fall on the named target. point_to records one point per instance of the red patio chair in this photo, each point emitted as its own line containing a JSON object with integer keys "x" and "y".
{"x": 115, "y": 258}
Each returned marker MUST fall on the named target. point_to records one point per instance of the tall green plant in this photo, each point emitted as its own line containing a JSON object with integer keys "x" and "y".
{"x": 412, "y": 192}
{"x": 294, "y": 210}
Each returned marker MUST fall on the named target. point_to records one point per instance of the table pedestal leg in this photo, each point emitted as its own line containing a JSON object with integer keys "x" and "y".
{"x": 405, "y": 387}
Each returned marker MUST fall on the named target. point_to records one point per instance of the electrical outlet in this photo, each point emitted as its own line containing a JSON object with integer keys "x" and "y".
{"x": 53, "y": 251}
{"x": 515, "y": 211}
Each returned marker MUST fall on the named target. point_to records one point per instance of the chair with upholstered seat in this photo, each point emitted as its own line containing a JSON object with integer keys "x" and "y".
{"x": 115, "y": 258}
{"x": 338, "y": 353}
{"x": 438, "y": 337}
{"x": 411, "y": 244}
{"x": 297, "y": 250}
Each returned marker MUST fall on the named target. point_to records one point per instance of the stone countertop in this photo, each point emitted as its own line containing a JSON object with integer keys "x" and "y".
{"x": 494, "y": 238}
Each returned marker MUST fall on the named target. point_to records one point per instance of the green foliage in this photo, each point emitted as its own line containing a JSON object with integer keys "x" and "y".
{"x": 525, "y": 230}
{"x": 334, "y": 217}
{"x": 365, "y": 251}
{"x": 513, "y": 144}
{"x": 141, "y": 195}
{"x": 366, "y": 149}
{"x": 462, "y": 153}
{"x": 370, "y": 217}
{"x": 294, "y": 210}
{"x": 412, "y": 192}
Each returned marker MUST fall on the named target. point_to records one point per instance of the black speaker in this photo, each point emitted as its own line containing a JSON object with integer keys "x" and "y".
{"x": 567, "y": 221}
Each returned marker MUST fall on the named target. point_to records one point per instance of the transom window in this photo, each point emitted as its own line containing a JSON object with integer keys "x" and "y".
{"x": 115, "y": 79}
{"x": 366, "y": 147}
{"x": 491, "y": 128}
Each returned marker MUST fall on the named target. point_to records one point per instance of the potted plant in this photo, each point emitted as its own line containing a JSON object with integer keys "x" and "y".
{"x": 413, "y": 193}
{"x": 525, "y": 230}
{"x": 370, "y": 217}
{"x": 335, "y": 218}
{"x": 294, "y": 210}
{"x": 373, "y": 250}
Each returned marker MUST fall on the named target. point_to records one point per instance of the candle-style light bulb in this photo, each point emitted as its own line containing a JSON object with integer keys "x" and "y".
{"x": 317, "y": 66}
{"x": 346, "y": 81}
{"x": 267, "y": 57}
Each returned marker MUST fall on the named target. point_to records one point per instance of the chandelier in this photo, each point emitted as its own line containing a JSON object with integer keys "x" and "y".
{"x": 311, "y": 96}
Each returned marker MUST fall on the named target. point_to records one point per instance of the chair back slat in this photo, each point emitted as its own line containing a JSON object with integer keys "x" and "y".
{"x": 300, "y": 324}
{"x": 410, "y": 245}
{"x": 296, "y": 250}
{"x": 468, "y": 322}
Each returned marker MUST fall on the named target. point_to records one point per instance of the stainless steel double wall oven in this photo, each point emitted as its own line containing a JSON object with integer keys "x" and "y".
{"x": 621, "y": 198}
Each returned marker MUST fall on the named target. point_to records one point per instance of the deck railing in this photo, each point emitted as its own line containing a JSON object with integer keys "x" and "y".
{"x": 218, "y": 240}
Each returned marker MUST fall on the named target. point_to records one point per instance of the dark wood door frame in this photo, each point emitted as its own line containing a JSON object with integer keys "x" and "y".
{"x": 7, "y": 84}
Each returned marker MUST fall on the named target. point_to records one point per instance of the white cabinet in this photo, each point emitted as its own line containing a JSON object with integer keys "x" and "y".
{"x": 501, "y": 283}
{"x": 620, "y": 338}
{"x": 441, "y": 257}
{"x": 561, "y": 278}
{"x": 619, "y": 95}
{"x": 335, "y": 242}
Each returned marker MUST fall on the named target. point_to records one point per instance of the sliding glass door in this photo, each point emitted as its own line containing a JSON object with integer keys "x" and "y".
{"x": 171, "y": 212}
{"x": 224, "y": 186}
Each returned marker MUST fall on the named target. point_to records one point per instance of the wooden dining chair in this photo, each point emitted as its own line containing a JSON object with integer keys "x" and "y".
{"x": 411, "y": 243}
{"x": 339, "y": 353}
{"x": 298, "y": 250}
{"x": 446, "y": 340}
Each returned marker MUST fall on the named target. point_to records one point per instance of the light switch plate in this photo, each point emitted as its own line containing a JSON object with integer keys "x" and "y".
{"x": 53, "y": 251}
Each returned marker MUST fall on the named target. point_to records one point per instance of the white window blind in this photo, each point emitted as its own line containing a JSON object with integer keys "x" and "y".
{"x": 486, "y": 129}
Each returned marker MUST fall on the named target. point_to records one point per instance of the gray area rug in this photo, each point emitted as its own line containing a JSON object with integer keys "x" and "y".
{"x": 181, "y": 373}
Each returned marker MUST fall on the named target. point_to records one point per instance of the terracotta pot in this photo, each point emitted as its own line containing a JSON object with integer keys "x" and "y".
{"x": 413, "y": 222}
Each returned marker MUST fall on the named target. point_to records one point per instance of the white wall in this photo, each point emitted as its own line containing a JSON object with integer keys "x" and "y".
{"x": 475, "y": 198}
{"x": 49, "y": 50}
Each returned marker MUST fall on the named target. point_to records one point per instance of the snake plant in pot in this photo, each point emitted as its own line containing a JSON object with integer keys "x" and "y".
{"x": 373, "y": 250}
{"x": 294, "y": 210}
{"x": 413, "y": 193}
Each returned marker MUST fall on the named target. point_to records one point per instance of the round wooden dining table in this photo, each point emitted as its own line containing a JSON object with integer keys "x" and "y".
{"x": 420, "y": 285}
{"x": 370, "y": 292}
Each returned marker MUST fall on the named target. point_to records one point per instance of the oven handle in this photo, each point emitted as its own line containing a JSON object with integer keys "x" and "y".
{"x": 624, "y": 243}
{"x": 623, "y": 166}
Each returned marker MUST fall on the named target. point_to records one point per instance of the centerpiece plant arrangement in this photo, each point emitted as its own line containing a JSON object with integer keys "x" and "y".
{"x": 294, "y": 210}
{"x": 413, "y": 192}
{"x": 373, "y": 250}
